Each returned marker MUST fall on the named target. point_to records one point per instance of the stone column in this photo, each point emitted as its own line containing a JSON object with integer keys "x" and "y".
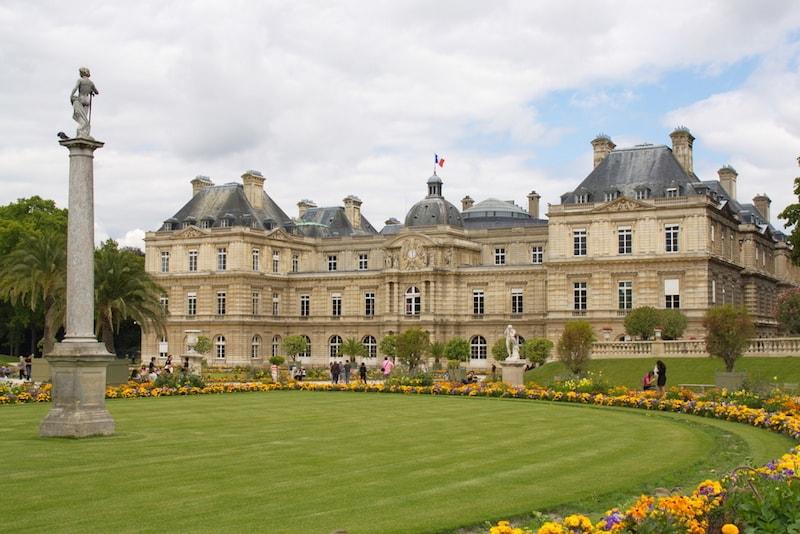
{"x": 78, "y": 364}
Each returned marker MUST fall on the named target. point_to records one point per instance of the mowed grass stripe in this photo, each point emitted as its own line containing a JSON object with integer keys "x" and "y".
{"x": 315, "y": 462}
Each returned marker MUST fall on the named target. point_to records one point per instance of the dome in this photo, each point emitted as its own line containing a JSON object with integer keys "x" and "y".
{"x": 492, "y": 207}
{"x": 434, "y": 210}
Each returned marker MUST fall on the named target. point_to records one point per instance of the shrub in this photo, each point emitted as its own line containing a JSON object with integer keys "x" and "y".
{"x": 673, "y": 323}
{"x": 203, "y": 345}
{"x": 409, "y": 379}
{"x": 176, "y": 380}
{"x": 767, "y": 505}
{"x": 456, "y": 350}
{"x": 575, "y": 346}
{"x": 412, "y": 345}
{"x": 728, "y": 332}
{"x": 536, "y": 350}
{"x": 642, "y": 322}
{"x": 388, "y": 346}
{"x": 499, "y": 351}
{"x": 277, "y": 360}
{"x": 436, "y": 351}
{"x": 294, "y": 345}
{"x": 788, "y": 313}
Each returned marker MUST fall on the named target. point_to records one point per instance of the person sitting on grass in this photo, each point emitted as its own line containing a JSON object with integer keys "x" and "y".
{"x": 647, "y": 381}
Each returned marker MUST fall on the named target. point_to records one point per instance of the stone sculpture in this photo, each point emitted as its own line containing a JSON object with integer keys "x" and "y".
{"x": 81, "y": 99}
{"x": 512, "y": 345}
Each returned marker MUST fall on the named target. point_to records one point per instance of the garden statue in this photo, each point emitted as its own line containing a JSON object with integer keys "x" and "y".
{"x": 82, "y": 102}
{"x": 512, "y": 344}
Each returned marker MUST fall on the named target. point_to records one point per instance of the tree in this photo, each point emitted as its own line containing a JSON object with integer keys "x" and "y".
{"x": 792, "y": 216}
{"x": 388, "y": 346}
{"x": 277, "y": 360}
{"x": 673, "y": 323}
{"x": 642, "y": 322}
{"x": 788, "y": 313}
{"x": 575, "y": 346}
{"x": 294, "y": 345}
{"x": 436, "y": 351}
{"x": 412, "y": 346}
{"x": 352, "y": 347}
{"x": 203, "y": 345}
{"x": 499, "y": 352}
{"x": 456, "y": 350}
{"x": 124, "y": 290}
{"x": 728, "y": 332}
{"x": 536, "y": 350}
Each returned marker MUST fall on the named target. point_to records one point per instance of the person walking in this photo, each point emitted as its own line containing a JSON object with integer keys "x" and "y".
{"x": 661, "y": 376}
{"x": 362, "y": 372}
{"x": 335, "y": 370}
{"x": 346, "y": 367}
{"x": 21, "y": 367}
{"x": 28, "y": 367}
{"x": 387, "y": 367}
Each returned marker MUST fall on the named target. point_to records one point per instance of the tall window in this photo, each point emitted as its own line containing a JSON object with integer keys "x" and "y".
{"x": 369, "y": 303}
{"x": 256, "y": 301}
{"x": 163, "y": 347}
{"x": 579, "y": 296}
{"x": 537, "y": 254}
{"x": 307, "y": 353}
{"x": 221, "y": 298}
{"x": 336, "y": 304}
{"x": 363, "y": 261}
{"x": 371, "y": 346}
{"x": 295, "y": 263}
{"x": 579, "y": 242}
{"x": 255, "y": 346}
{"x": 219, "y": 346}
{"x": 671, "y": 233}
{"x": 477, "y": 348}
{"x": 222, "y": 259}
{"x": 624, "y": 240}
{"x": 332, "y": 262}
{"x": 192, "y": 261}
{"x": 165, "y": 262}
{"x": 516, "y": 301}
{"x": 625, "y": 294}
{"x": 276, "y": 261}
{"x": 413, "y": 301}
{"x": 191, "y": 304}
{"x": 477, "y": 301}
{"x": 276, "y": 304}
{"x": 163, "y": 301}
{"x": 672, "y": 293}
{"x": 334, "y": 344}
{"x": 305, "y": 305}
{"x": 276, "y": 345}
{"x": 256, "y": 256}
{"x": 713, "y": 292}
{"x": 500, "y": 256}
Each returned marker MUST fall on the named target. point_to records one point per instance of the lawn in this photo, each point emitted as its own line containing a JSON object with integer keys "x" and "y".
{"x": 294, "y": 461}
{"x": 629, "y": 371}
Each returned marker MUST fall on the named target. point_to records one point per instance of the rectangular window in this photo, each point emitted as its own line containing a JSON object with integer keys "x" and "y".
{"x": 191, "y": 304}
{"x": 611, "y": 195}
{"x": 224, "y": 223}
{"x": 477, "y": 301}
{"x": 579, "y": 242}
{"x": 625, "y": 240}
{"x": 163, "y": 348}
{"x": 222, "y": 259}
{"x": 332, "y": 262}
{"x": 369, "y": 304}
{"x": 336, "y": 304}
{"x": 295, "y": 263}
{"x": 579, "y": 296}
{"x": 516, "y": 301}
{"x": 163, "y": 301}
{"x": 671, "y": 233}
{"x": 192, "y": 261}
{"x": 276, "y": 304}
{"x": 256, "y": 255}
{"x": 583, "y": 198}
{"x": 672, "y": 297}
{"x": 363, "y": 262}
{"x": 165, "y": 262}
{"x": 537, "y": 255}
{"x": 276, "y": 262}
{"x": 671, "y": 192}
{"x": 500, "y": 256}
{"x": 625, "y": 293}
{"x": 305, "y": 305}
{"x": 256, "y": 301}
{"x": 642, "y": 194}
{"x": 713, "y": 292}
{"x": 713, "y": 231}
{"x": 221, "y": 298}
{"x": 205, "y": 223}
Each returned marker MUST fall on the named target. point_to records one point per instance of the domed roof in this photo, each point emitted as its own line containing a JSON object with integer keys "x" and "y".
{"x": 492, "y": 207}
{"x": 434, "y": 210}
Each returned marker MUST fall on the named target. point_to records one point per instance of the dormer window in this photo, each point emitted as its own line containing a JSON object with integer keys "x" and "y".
{"x": 207, "y": 222}
{"x": 224, "y": 223}
{"x": 611, "y": 195}
{"x": 642, "y": 194}
{"x": 671, "y": 192}
{"x": 581, "y": 198}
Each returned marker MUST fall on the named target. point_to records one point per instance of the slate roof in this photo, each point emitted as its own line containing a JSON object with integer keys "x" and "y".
{"x": 494, "y": 213}
{"x": 331, "y": 222}
{"x": 748, "y": 213}
{"x": 434, "y": 209}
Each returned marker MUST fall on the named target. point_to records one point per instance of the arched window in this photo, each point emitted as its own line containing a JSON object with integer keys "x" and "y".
{"x": 307, "y": 353}
{"x": 477, "y": 348}
{"x": 219, "y": 345}
{"x": 333, "y": 346}
{"x": 371, "y": 345}
{"x": 276, "y": 345}
{"x": 255, "y": 346}
{"x": 413, "y": 301}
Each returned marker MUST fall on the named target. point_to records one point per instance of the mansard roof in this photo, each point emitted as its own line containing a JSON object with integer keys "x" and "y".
{"x": 331, "y": 221}
{"x": 494, "y": 213}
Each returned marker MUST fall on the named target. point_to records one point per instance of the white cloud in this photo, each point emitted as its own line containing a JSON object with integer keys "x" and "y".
{"x": 132, "y": 239}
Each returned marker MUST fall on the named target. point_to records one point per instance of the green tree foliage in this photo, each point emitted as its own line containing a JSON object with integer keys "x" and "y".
{"x": 412, "y": 345}
{"x": 728, "y": 332}
{"x": 436, "y": 351}
{"x": 575, "y": 346}
{"x": 673, "y": 323}
{"x": 123, "y": 290}
{"x": 642, "y": 322}
{"x": 277, "y": 360}
{"x": 351, "y": 347}
{"x": 788, "y": 313}
{"x": 294, "y": 345}
{"x": 791, "y": 214}
{"x": 536, "y": 350}
{"x": 203, "y": 345}
{"x": 499, "y": 352}
{"x": 388, "y": 346}
{"x": 456, "y": 350}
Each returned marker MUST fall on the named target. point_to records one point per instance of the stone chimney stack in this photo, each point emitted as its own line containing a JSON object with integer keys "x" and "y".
{"x": 303, "y": 206}
{"x": 762, "y": 203}
{"x": 727, "y": 179}
{"x": 201, "y": 182}
{"x": 602, "y": 146}
{"x": 352, "y": 209}
{"x": 467, "y": 203}
{"x": 682, "y": 141}
{"x": 254, "y": 188}
{"x": 533, "y": 204}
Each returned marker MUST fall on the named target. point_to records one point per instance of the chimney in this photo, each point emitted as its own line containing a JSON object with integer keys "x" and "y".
{"x": 352, "y": 209}
{"x": 467, "y": 203}
{"x": 682, "y": 140}
{"x": 201, "y": 182}
{"x": 762, "y": 203}
{"x": 727, "y": 179}
{"x": 533, "y": 204}
{"x": 602, "y": 145}
{"x": 254, "y": 188}
{"x": 303, "y": 206}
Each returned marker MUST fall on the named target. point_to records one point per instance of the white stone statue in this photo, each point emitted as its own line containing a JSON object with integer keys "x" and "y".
{"x": 512, "y": 345}
{"x": 82, "y": 102}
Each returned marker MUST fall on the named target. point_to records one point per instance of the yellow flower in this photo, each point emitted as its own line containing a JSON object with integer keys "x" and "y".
{"x": 551, "y": 528}
{"x": 730, "y": 529}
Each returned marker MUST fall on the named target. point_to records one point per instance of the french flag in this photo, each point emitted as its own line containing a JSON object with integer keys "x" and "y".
{"x": 438, "y": 161}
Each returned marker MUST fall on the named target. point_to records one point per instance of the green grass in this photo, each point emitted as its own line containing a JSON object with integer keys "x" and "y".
{"x": 629, "y": 371}
{"x": 5, "y": 360}
{"x": 294, "y": 461}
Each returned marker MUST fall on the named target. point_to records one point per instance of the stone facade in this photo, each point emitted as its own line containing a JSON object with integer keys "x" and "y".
{"x": 329, "y": 275}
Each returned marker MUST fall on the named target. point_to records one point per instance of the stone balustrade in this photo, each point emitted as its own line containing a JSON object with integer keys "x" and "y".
{"x": 691, "y": 348}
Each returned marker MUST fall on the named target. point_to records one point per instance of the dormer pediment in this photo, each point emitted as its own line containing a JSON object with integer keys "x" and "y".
{"x": 623, "y": 204}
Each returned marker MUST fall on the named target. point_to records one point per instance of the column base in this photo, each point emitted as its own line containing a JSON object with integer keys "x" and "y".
{"x": 513, "y": 372}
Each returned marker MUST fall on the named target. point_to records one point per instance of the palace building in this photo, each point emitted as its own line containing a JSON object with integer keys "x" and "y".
{"x": 640, "y": 230}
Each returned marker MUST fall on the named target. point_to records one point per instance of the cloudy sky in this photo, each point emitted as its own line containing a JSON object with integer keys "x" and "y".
{"x": 328, "y": 99}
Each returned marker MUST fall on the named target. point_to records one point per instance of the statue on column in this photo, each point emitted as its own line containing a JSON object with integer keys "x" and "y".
{"x": 82, "y": 102}
{"x": 512, "y": 344}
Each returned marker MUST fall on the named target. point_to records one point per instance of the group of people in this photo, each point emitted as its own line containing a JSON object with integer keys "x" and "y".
{"x": 24, "y": 367}
{"x": 151, "y": 371}
{"x": 657, "y": 378}
{"x": 340, "y": 372}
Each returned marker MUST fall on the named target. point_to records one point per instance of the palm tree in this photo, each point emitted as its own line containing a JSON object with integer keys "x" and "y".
{"x": 123, "y": 290}
{"x": 34, "y": 274}
{"x": 353, "y": 347}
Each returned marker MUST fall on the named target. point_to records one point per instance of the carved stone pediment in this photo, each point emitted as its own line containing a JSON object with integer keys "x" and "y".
{"x": 622, "y": 204}
{"x": 414, "y": 254}
{"x": 191, "y": 232}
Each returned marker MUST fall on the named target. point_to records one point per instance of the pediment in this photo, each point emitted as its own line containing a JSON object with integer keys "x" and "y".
{"x": 623, "y": 204}
{"x": 406, "y": 239}
{"x": 191, "y": 232}
{"x": 278, "y": 234}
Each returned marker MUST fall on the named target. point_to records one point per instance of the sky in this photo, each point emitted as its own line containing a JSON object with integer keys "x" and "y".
{"x": 329, "y": 99}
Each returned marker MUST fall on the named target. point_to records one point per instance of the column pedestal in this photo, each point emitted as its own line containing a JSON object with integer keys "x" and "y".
{"x": 513, "y": 372}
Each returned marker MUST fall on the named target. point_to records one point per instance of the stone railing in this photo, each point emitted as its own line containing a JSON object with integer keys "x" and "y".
{"x": 783, "y": 346}
{"x": 621, "y": 349}
{"x": 691, "y": 348}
